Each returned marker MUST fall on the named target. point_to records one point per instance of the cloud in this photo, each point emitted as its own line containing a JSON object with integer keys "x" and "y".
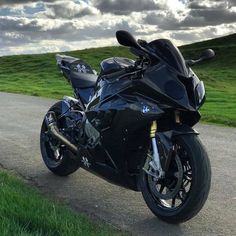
{"x": 196, "y": 35}
{"x": 202, "y": 4}
{"x": 15, "y": 24}
{"x": 200, "y": 15}
{"x": 204, "y": 13}
{"x": 69, "y": 9}
{"x": 10, "y": 2}
{"x": 23, "y": 35}
{"x": 124, "y": 7}
{"x": 192, "y": 35}
{"x": 163, "y": 20}
{"x": 8, "y": 39}
{"x": 54, "y": 25}
{"x": 36, "y": 30}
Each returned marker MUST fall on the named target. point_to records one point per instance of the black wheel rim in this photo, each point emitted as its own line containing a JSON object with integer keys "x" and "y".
{"x": 169, "y": 193}
{"x": 52, "y": 148}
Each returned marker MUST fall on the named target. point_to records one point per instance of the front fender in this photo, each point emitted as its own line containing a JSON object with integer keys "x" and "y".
{"x": 176, "y": 131}
{"x": 183, "y": 130}
{"x": 165, "y": 144}
{"x": 165, "y": 140}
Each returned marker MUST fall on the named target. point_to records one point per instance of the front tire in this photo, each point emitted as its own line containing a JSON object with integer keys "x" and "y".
{"x": 58, "y": 159}
{"x": 195, "y": 183}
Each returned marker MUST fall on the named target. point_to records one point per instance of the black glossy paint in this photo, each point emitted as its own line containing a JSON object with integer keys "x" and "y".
{"x": 167, "y": 52}
{"x": 79, "y": 74}
{"x": 121, "y": 107}
{"x": 114, "y": 64}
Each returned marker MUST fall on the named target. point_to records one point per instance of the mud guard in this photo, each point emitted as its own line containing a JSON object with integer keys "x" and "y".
{"x": 183, "y": 130}
{"x": 165, "y": 140}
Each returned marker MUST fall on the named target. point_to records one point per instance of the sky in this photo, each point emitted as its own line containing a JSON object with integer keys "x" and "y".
{"x": 28, "y": 26}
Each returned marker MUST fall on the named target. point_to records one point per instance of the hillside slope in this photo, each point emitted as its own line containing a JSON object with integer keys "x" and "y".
{"x": 38, "y": 75}
{"x": 219, "y": 76}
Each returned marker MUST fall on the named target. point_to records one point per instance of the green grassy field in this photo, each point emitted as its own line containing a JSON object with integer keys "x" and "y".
{"x": 24, "y": 211}
{"x": 219, "y": 76}
{"x": 38, "y": 75}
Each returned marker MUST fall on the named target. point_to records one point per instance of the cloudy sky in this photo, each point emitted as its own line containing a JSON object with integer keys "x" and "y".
{"x": 28, "y": 26}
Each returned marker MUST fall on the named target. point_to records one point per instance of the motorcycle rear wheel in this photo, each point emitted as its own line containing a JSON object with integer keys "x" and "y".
{"x": 192, "y": 167}
{"x": 56, "y": 156}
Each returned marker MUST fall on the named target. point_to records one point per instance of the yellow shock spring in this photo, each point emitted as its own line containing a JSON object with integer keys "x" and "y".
{"x": 153, "y": 129}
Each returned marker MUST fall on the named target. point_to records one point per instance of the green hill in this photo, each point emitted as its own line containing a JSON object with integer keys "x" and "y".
{"x": 38, "y": 75}
{"x": 219, "y": 76}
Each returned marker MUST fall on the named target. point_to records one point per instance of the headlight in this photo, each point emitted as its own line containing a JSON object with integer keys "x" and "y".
{"x": 200, "y": 93}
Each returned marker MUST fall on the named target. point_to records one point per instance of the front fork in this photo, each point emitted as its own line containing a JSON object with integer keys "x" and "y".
{"x": 155, "y": 163}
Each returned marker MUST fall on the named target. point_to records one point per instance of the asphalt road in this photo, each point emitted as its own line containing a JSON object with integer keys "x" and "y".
{"x": 20, "y": 122}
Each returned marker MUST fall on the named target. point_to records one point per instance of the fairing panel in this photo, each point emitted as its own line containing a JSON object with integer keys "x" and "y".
{"x": 170, "y": 54}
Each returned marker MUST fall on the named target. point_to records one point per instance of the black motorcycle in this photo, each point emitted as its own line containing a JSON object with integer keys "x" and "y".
{"x": 132, "y": 125}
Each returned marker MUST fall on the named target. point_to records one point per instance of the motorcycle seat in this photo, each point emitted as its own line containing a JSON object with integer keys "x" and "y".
{"x": 83, "y": 80}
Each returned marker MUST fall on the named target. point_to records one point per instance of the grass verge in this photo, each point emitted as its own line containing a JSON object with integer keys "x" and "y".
{"x": 24, "y": 211}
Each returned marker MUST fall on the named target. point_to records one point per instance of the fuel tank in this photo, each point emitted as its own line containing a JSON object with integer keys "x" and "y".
{"x": 114, "y": 64}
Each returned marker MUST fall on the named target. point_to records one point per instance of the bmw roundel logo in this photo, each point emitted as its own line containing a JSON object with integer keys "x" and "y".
{"x": 145, "y": 109}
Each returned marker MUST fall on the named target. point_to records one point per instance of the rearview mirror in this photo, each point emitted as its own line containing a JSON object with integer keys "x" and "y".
{"x": 126, "y": 39}
{"x": 207, "y": 54}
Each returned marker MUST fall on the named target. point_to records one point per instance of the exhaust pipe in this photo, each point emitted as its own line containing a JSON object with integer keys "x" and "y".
{"x": 53, "y": 130}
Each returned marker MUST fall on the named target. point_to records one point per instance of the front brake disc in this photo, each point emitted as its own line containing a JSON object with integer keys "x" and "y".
{"x": 167, "y": 188}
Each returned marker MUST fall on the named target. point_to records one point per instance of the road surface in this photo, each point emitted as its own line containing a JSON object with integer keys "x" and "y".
{"x": 20, "y": 122}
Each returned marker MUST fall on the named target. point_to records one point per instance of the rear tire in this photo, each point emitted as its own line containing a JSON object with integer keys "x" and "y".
{"x": 195, "y": 197}
{"x": 66, "y": 162}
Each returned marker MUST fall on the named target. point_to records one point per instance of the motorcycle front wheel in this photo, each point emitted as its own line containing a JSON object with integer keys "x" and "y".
{"x": 181, "y": 194}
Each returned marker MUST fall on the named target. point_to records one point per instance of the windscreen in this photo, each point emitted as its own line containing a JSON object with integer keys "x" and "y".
{"x": 165, "y": 49}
